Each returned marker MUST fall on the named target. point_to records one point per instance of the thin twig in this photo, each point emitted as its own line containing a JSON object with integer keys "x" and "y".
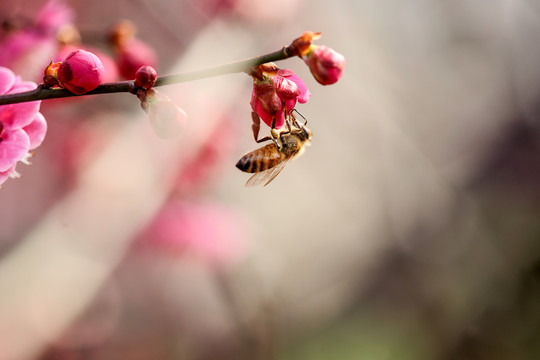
{"x": 41, "y": 93}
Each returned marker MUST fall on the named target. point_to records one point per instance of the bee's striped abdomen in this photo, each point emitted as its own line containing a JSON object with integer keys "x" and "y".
{"x": 260, "y": 159}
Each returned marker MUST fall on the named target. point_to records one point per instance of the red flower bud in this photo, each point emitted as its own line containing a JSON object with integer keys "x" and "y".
{"x": 325, "y": 64}
{"x": 80, "y": 72}
{"x": 145, "y": 77}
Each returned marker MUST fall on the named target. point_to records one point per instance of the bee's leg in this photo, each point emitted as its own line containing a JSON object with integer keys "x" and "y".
{"x": 296, "y": 121}
{"x": 289, "y": 126}
{"x": 275, "y": 134}
{"x": 298, "y": 124}
{"x": 289, "y": 123}
{"x": 256, "y": 126}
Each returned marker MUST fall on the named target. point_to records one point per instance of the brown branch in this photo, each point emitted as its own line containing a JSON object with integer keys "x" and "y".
{"x": 41, "y": 93}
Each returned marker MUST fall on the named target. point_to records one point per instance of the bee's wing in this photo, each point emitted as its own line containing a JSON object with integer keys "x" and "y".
{"x": 267, "y": 175}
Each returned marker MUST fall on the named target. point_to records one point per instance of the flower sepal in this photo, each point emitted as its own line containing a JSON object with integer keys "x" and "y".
{"x": 301, "y": 46}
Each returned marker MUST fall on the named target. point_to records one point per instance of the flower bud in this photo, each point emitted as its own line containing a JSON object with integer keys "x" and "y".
{"x": 80, "y": 72}
{"x": 145, "y": 77}
{"x": 325, "y": 64}
{"x": 167, "y": 119}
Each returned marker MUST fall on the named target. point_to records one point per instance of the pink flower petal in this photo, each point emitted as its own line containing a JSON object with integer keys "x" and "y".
{"x": 280, "y": 119}
{"x": 13, "y": 147}
{"x": 16, "y": 116}
{"x": 287, "y": 91}
{"x": 36, "y": 131}
{"x": 265, "y": 117}
{"x": 286, "y": 88}
{"x": 4, "y": 175}
{"x": 7, "y": 78}
{"x": 304, "y": 94}
{"x": 266, "y": 103}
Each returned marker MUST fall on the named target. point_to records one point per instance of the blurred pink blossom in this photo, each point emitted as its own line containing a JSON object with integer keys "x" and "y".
{"x": 28, "y": 51}
{"x": 203, "y": 166}
{"x": 53, "y": 15}
{"x": 206, "y": 231}
{"x": 22, "y": 127}
{"x": 133, "y": 54}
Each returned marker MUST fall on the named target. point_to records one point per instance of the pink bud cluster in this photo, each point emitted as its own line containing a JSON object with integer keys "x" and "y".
{"x": 276, "y": 91}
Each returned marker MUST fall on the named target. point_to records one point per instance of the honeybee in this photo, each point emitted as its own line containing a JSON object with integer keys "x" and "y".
{"x": 268, "y": 161}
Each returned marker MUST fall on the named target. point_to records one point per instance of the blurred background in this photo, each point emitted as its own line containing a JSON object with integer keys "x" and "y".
{"x": 409, "y": 229}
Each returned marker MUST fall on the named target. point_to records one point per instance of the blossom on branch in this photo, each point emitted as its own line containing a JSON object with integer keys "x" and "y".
{"x": 131, "y": 53}
{"x": 80, "y": 72}
{"x": 145, "y": 77}
{"x": 275, "y": 93}
{"x": 22, "y": 127}
{"x": 110, "y": 71}
{"x": 326, "y": 64}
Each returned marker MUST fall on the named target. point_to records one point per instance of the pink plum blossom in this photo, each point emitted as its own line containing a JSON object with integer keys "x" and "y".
{"x": 325, "y": 64}
{"x": 80, "y": 72}
{"x": 22, "y": 127}
{"x": 276, "y": 94}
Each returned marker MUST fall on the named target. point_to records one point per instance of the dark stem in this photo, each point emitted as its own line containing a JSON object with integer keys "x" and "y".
{"x": 41, "y": 93}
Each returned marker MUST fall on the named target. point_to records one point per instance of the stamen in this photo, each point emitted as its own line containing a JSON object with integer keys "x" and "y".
{"x": 14, "y": 175}
{"x": 26, "y": 158}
